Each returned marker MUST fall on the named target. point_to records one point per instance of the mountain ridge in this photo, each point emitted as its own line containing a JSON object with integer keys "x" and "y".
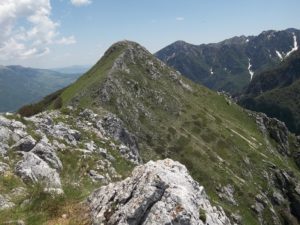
{"x": 240, "y": 157}
{"x": 229, "y": 65}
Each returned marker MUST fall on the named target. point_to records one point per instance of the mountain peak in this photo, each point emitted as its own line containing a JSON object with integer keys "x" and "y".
{"x": 126, "y": 51}
{"x": 124, "y": 44}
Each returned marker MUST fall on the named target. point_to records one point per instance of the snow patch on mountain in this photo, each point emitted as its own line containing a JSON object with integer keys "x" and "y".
{"x": 211, "y": 71}
{"x": 249, "y": 69}
{"x": 172, "y": 56}
{"x": 279, "y": 55}
{"x": 295, "y": 48}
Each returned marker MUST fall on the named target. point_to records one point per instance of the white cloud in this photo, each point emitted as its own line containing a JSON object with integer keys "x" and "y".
{"x": 27, "y": 29}
{"x": 15, "y": 50}
{"x": 67, "y": 40}
{"x": 81, "y": 2}
{"x": 179, "y": 18}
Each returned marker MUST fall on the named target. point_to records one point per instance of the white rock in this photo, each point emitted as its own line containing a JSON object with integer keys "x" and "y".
{"x": 33, "y": 169}
{"x": 159, "y": 192}
{"x": 25, "y": 144}
{"x": 5, "y": 203}
{"x": 47, "y": 153}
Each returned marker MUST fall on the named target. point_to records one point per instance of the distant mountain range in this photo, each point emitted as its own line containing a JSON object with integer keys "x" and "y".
{"x": 276, "y": 92}
{"x": 20, "y": 85}
{"x": 231, "y": 64}
{"x": 79, "y": 69}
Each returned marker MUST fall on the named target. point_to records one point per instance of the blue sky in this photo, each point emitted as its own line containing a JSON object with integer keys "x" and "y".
{"x": 58, "y": 33}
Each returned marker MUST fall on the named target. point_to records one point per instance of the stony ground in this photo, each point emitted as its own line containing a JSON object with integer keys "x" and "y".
{"x": 61, "y": 153}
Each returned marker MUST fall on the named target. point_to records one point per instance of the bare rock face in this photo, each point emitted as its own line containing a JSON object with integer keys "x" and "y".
{"x": 276, "y": 129}
{"x": 33, "y": 169}
{"x": 46, "y": 152}
{"x": 25, "y": 144}
{"x": 159, "y": 192}
{"x": 114, "y": 127}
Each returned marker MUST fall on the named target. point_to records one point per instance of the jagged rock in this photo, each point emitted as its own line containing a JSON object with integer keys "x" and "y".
{"x": 276, "y": 129}
{"x": 90, "y": 146}
{"x": 278, "y": 198}
{"x": 5, "y": 203}
{"x": 4, "y": 122}
{"x": 4, "y": 139}
{"x": 95, "y": 176}
{"x": 262, "y": 199}
{"x": 237, "y": 218}
{"x": 4, "y": 134}
{"x": 58, "y": 145}
{"x": 47, "y": 153}
{"x": 18, "y": 134}
{"x": 25, "y": 144}
{"x": 109, "y": 157}
{"x": 227, "y": 193}
{"x": 114, "y": 127}
{"x": 63, "y": 132}
{"x": 44, "y": 122}
{"x": 288, "y": 186}
{"x": 103, "y": 152}
{"x": 3, "y": 149}
{"x": 16, "y": 125}
{"x": 159, "y": 192}
{"x": 258, "y": 208}
{"x": 33, "y": 169}
{"x": 88, "y": 114}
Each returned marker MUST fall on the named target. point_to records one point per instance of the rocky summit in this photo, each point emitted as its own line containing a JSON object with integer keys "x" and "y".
{"x": 95, "y": 153}
{"x": 159, "y": 192}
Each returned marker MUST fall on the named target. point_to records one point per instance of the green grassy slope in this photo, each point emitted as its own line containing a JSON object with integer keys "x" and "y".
{"x": 174, "y": 117}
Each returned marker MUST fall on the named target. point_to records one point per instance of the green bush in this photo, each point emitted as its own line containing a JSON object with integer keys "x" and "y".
{"x": 202, "y": 215}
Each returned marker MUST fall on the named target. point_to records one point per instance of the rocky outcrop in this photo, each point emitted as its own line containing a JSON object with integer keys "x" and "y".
{"x": 46, "y": 152}
{"x": 39, "y": 139}
{"x": 25, "y": 144}
{"x": 14, "y": 132}
{"x": 227, "y": 193}
{"x": 4, "y": 138}
{"x": 114, "y": 127}
{"x": 288, "y": 191}
{"x": 275, "y": 129}
{"x": 33, "y": 169}
{"x": 5, "y": 203}
{"x": 159, "y": 192}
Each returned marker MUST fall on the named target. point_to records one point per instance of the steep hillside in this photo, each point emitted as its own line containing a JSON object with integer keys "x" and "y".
{"x": 231, "y": 64}
{"x": 247, "y": 162}
{"x": 20, "y": 86}
{"x": 276, "y": 92}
